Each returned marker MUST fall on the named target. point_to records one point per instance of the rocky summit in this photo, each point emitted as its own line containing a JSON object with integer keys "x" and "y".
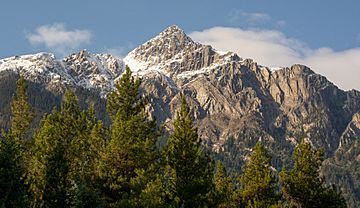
{"x": 235, "y": 101}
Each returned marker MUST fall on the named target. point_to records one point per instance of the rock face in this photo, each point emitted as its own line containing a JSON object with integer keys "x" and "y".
{"x": 289, "y": 103}
{"x": 351, "y": 133}
{"x": 40, "y": 68}
{"x": 96, "y": 71}
{"x": 85, "y": 70}
{"x": 235, "y": 101}
{"x": 343, "y": 168}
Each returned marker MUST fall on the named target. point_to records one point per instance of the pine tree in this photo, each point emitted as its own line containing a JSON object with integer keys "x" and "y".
{"x": 21, "y": 118}
{"x": 131, "y": 153}
{"x": 49, "y": 166}
{"x": 224, "y": 188}
{"x": 258, "y": 183}
{"x": 61, "y": 168}
{"x": 21, "y": 115}
{"x": 303, "y": 186}
{"x": 191, "y": 169}
{"x": 14, "y": 150}
{"x": 12, "y": 189}
{"x": 85, "y": 148}
{"x": 126, "y": 100}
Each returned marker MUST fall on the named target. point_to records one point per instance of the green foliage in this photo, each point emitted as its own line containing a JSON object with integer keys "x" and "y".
{"x": 258, "y": 183}
{"x": 303, "y": 186}
{"x": 191, "y": 168}
{"x": 125, "y": 100}
{"x": 61, "y": 168}
{"x": 12, "y": 189}
{"x": 128, "y": 161}
{"x": 224, "y": 188}
{"x": 21, "y": 115}
{"x": 21, "y": 118}
{"x": 14, "y": 150}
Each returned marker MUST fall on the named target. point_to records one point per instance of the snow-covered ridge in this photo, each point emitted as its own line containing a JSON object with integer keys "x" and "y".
{"x": 171, "y": 53}
{"x": 168, "y": 45}
{"x": 92, "y": 71}
{"x": 176, "y": 55}
{"x": 96, "y": 71}
{"x": 40, "y": 68}
{"x": 38, "y": 61}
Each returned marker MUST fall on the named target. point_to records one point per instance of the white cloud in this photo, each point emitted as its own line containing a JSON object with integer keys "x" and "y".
{"x": 272, "y": 48}
{"x": 58, "y": 39}
{"x": 343, "y": 67}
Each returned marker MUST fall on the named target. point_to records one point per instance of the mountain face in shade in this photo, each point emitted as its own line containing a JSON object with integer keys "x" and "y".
{"x": 235, "y": 101}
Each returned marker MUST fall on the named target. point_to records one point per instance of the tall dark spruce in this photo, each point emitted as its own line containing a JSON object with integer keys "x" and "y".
{"x": 128, "y": 162}
{"x": 61, "y": 169}
{"x": 258, "y": 184}
{"x": 224, "y": 188}
{"x": 303, "y": 186}
{"x": 14, "y": 148}
{"x": 190, "y": 168}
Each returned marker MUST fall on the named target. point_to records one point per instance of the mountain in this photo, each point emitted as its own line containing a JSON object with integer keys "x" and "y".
{"x": 91, "y": 71}
{"x": 236, "y": 102}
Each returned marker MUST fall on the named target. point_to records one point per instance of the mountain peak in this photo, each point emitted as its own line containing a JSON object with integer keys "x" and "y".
{"x": 173, "y": 29}
{"x": 172, "y": 52}
{"x": 173, "y": 37}
{"x": 173, "y": 32}
{"x": 168, "y": 45}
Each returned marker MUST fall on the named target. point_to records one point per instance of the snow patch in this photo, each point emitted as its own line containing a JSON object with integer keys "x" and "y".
{"x": 276, "y": 68}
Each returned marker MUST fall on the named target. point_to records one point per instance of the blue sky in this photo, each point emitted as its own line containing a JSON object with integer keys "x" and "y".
{"x": 309, "y": 31}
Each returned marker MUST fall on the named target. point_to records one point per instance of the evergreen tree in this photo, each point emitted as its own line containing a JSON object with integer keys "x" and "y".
{"x": 303, "y": 186}
{"x": 154, "y": 194}
{"x": 190, "y": 168}
{"x": 86, "y": 147}
{"x": 21, "y": 115}
{"x": 49, "y": 167}
{"x": 61, "y": 167}
{"x": 126, "y": 100}
{"x": 14, "y": 150}
{"x": 128, "y": 161}
{"x": 224, "y": 188}
{"x": 12, "y": 189}
{"x": 258, "y": 183}
{"x": 21, "y": 118}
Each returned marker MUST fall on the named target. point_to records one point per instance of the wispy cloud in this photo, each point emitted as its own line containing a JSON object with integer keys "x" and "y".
{"x": 240, "y": 17}
{"x": 273, "y": 48}
{"x": 58, "y": 38}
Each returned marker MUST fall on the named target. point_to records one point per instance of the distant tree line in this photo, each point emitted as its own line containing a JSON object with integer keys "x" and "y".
{"x": 73, "y": 160}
